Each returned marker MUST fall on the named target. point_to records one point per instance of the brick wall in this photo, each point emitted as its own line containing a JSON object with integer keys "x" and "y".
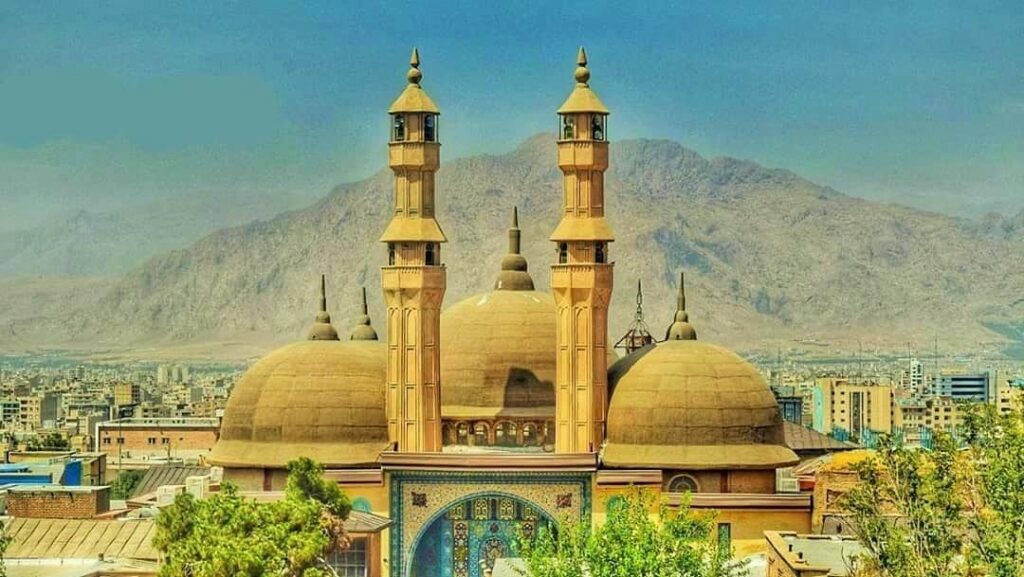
{"x": 58, "y": 503}
{"x": 156, "y": 440}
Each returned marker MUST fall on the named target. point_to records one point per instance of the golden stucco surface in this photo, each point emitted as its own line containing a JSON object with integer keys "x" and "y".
{"x": 692, "y": 405}
{"x": 320, "y": 399}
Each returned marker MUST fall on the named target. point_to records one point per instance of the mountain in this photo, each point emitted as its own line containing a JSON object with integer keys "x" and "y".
{"x": 771, "y": 260}
{"x": 110, "y": 243}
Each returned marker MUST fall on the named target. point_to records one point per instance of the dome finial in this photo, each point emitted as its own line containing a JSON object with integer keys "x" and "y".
{"x": 322, "y": 329}
{"x": 582, "y": 72}
{"x": 414, "y": 75}
{"x": 681, "y": 330}
{"x": 363, "y": 331}
{"x": 514, "y": 273}
{"x": 637, "y": 337}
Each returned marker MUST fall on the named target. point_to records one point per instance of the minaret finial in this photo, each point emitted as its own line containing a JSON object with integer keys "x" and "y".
{"x": 322, "y": 329}
{"x": 363, "y": 331}
{"x": 514, "y": 273}
{"x": 582, "y": 72}
{"x": 414, "y": 75}
{"x": 680, "y": 330}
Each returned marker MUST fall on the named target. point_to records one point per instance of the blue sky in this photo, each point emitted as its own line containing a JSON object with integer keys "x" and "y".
{"x": 107, "y": 103}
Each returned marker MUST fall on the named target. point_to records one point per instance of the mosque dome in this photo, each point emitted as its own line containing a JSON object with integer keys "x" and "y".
{"x": 318, "y": 398}
{"x": 498, "y": 349}
{"x": 685, "y": 404}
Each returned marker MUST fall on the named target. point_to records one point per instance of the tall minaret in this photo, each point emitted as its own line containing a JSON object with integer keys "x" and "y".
{"x": 414, "y": 278}
{"x": 582, "y": 278}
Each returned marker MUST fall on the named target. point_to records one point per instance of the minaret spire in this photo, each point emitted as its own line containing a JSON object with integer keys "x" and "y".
{"x": 414, "y": 75}
{"x": 322, "y": 329}
{"x": 363, "y": 331}
{"x": 681, "y": 330}
{"x": 514, "y": 275}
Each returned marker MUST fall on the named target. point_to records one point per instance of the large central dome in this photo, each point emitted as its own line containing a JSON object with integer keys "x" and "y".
{"x": 498, "y": 356}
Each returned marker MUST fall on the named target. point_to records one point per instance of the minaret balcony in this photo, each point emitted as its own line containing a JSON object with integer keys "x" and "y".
{"x": 419, "y": 155}
{"x": 589, "y": 154}
{"x": 413, "y": 277}
{"x": 583, "y": 275}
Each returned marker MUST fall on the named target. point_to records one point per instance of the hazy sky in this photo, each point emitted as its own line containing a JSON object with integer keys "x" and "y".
{"x": 107, "y": 102}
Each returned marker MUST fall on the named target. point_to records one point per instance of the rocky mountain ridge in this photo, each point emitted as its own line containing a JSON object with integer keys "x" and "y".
{"x": 771, "y": 259}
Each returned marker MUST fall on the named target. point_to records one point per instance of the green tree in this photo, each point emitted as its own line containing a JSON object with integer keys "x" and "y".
{"x": 50, "y": 442}
{"x": 631, "y": 543}
{"x": 125, "y": 483}
{"x": 956, "y": 510}
{"x": 5, "y": 539}
{"x": 228, "y": 534}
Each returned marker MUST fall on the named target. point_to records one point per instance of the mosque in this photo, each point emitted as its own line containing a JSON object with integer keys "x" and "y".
{"x": 509, "y": 409}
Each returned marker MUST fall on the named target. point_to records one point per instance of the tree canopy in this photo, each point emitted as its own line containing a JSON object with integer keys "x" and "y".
{"x": 957, "y": 510}
{"x": 631, "y": 543}
{"x": 229, "y": 534}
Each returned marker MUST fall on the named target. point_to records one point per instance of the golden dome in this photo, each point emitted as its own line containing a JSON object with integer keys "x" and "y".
{"x": 314, "y": 398}
{"x": 498, "y": 355}
{"x": 684, "y": 404}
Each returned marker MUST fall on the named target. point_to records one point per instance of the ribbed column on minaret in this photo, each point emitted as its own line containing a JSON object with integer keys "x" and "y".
{"x": 582, "y": 278}
{"x": 414, "y": 279}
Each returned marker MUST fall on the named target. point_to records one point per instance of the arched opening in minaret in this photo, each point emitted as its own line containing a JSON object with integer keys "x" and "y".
{"x": 391, "y": 254}
{"x": 430, "y": 257}
{"x": 568, "y": 128}
{"x": 398, "y": 130}
{"x": 600, "y": 253}
{"x": 563, "y": 253}
{"x": 597, "y": 127}
{"x": 430, "y": 128}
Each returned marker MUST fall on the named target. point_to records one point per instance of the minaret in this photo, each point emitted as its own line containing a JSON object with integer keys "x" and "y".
{"x": 582, "y": 277}
{"x": 514, "y": 275}
{"x": 414, "y": 278}
{"x": 322, "y": 329}
{"x": 680, "y": 329}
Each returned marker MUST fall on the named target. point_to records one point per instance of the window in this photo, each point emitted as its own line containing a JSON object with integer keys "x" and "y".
{"x": 165, "y": 441}
{"x": 429, "y": 128}
{"x": 563, "y": 253}
{"x": 682, "y": 484}
{"x": 120, "y": 440}
{"x": 599, "y": 253}
{"x": 725, "y": 537}
{"x": 568, "y": 128}
{"x": 106, "y": 440}
{"x": 398, "y": 130}
{"x": 391, "y": 254}
{"x": 530, "y": 435}
{"x": 462, "y": 434}
{"x": 431, "y": 256}
{"x": 480, "y": 434}
{"x": 151, "y": 441}
{"x": 505, "y": 434}
{"x": 597, "y": 127}
{"x": 350, "y": 562}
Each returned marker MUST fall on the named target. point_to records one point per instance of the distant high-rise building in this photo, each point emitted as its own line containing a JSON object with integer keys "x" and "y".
{"x": 912, "y": 377}
{"x": 127, "y": 394}
{"x": 854, "y": 408}
{"x": 964, "y": 386}
{"x": 163, "y": 375}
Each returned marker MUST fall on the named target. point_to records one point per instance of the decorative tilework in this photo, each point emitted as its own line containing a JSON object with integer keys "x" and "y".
{"x": 471, "y": 498}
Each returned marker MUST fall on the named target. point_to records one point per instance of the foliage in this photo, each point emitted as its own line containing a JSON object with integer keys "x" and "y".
{"x": 631, "y": 544}
{"x": 125, "y": 483}
{"x": 956, "y": 510}
{"x": 50, "y": 442}
{"x": 4, "y": 541}
{"x": 228, "y": 534}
